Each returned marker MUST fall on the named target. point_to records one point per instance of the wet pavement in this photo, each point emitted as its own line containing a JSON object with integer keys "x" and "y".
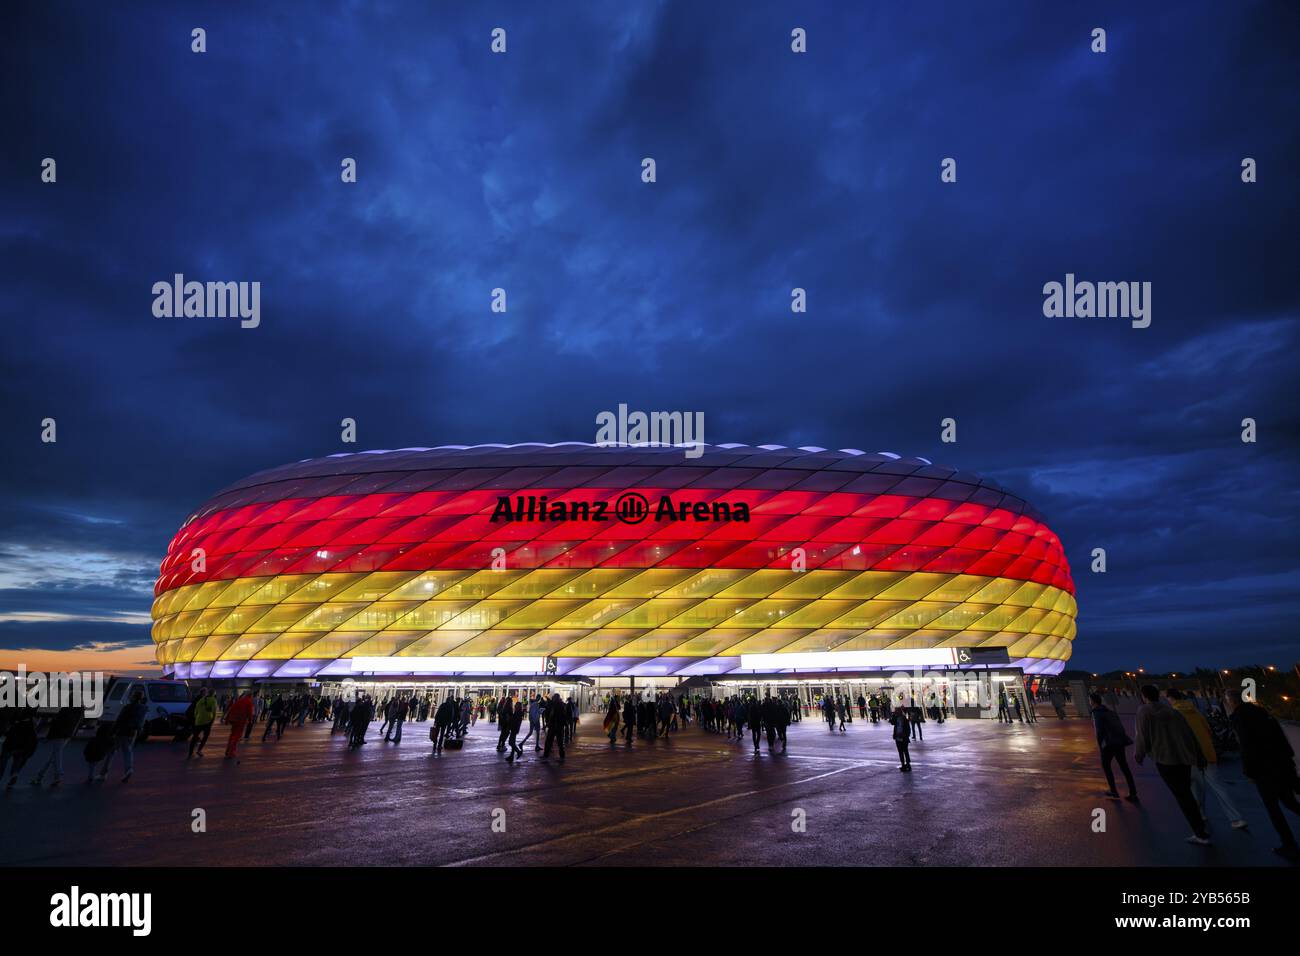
{"x": 981, "y": 793}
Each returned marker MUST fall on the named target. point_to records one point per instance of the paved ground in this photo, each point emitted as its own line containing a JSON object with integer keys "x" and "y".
{"x": 981, "y": 794}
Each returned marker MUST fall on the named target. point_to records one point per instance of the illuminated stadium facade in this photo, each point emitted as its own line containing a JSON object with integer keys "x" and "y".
{"x": 575, "y": 561}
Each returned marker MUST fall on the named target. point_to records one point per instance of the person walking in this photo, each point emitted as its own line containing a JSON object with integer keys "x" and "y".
{"x": 97, "y": 748}
{"x": 902, "y": 736}
{"x": 504, "y": 710}
{"x": 340, "y": 710}
{"x": 286, "y": 714}
{"x": 205, "y": 713}
{"x": 1207, "y": 778}
{"x": 239, "y": 717}
{"x": 612, "y": 715}
{"x": 557, "y": 719}
{"x": 514, "y": 717}
{"x": 444, "y": 718}
{"x": 1164, "y": 734}
{"x": 400, "y": 713}
{"x": 126, "y": 729}
{"x": 1112, "y": 738}
{"x": 754, "y": 714}
{"x": 629, "y": 719}
{"x": 363, "y": 712}
{"x": 534, "y": 722}
{"x": 273, "y": 716}
{"x": 1058, "y": 703}
{"x": 467, "y": 717}
{"x": 62, "y": 729}
{"x": 20, "y": 743}
{"x": 770, "y": 715}
{"x": 1268, "y": 760}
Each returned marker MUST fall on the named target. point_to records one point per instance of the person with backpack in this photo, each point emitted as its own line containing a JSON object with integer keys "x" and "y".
{"x": 62, "y": 729}
{"x": 1112, "y": 739}
{"x": 126, "y": 729}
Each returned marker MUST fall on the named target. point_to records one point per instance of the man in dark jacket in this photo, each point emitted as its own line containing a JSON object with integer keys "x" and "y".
{"x": 443, "y": 720}
{"x": 62, "y": 729}
{"x": 273, "y": 719}
{"x": 363, "y": 711}
{"x": 902, "y": 738}
{"x": 754, "y": 717}
{"x": 1268, "y": 760}
{"x": 629, "y": 717}
{"x": 400, "y": 713}
{"x": 505, "y": 709}
{"x": 557, "y": 719}
{"x": 1166, "y": 736}
{"x": 125, "y": 730}
{"x": 514, "y": 719}
{"x": 771, "y": 714}
{"x": 1112, "y": 739}
{"x": 20, "y": 742}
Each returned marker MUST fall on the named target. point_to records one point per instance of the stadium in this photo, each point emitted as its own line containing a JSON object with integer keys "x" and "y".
{"x": 517, "y": 564}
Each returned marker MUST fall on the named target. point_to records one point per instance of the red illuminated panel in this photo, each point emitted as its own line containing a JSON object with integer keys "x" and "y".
{"x": 453, "y": 529}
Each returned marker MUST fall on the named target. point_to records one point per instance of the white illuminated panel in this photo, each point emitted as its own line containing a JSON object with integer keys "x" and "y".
{"x": 828, "y": 660}
{"x": 447, "y": 665}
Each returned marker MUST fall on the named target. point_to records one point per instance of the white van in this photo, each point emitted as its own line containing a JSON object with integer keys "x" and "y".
{"x": 166, "y": 702}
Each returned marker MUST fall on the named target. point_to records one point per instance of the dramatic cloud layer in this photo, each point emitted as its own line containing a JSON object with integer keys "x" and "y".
{"x": 774, "y": 170}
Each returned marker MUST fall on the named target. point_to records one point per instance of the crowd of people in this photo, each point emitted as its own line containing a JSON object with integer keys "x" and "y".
{"x": 1185, "y": 738}
{"x": 555, "y": 718}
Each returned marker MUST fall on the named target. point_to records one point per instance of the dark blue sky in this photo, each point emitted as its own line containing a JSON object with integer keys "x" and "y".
{"x": 775, "y": 170}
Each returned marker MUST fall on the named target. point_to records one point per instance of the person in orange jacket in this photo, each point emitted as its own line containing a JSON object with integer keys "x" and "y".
{"x": 239, "y": 716}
